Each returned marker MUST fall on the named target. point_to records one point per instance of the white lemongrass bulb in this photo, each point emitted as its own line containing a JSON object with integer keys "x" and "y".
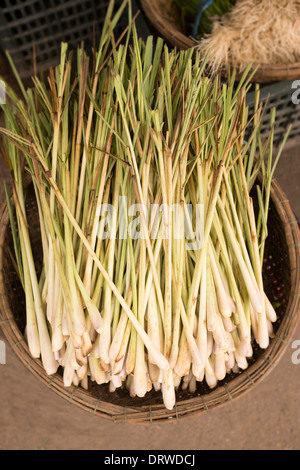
{"x": 68, "y": 375}
{"x": 150, "y": 386}
{"x": 183, "y": 363}
{"x": 168, "y": 390}
{"x": 224, "y": 301}
{"x": 228, "y": 324}
{"x": 120, "y": 361}
{"x": 153, "y": 315}
{"x": 154, "y": 372}
{"x": 80, "y": 358}
{"x": 270, "y": 311}
{"x": 219, "y": 334}
{"x": 193, "y": 348}
{"x": 201, "y": 376}
{"x": 92, "y": 309}
{"x": 100, "y": 376}
{"x": 68, "y": 372}
{"x": 33, "y": 340}
{"x": 210, "y": 343}
{"x": 111, "y": 387}
{"x": 49, "y": 363}
{"x": 104, "y": 366}
{"x": 95, "y": 315}
{"x": 32, "y": 332}
{"x": 230, "y": 361}
{"x": 157, "y": 386}
{"x": 76, "y": 340}
{"x": 244, "y": 348}
{"x": 118, "y": 337}
{"x": 57, "y": 338}
{"x": 75, "y": 380}
{"x": 202, "y": 328}
{"x": 84, "y": 383}
{"x": 78, "y": 318}
{"x": 105, "y": 340}
{"x": 116, "y": 380}
{"x": 176, "y": 381}
{"x": 140, "y": 378}
{"x": 198, "y": 370}
{"x": 219, "y": 365}
{"x": 87, "y": 346}
{"x": 58, "y": 356}
{"x": 117, "y": 366}
{"x": 210, "y": 376}
{"x": 72, "y": 357}
{"x": 241, "y": 360}
{"x": 95, "y": 349}
{"x": 82, "y": 371}
{"x": 65, "y": 324}
{"x": 230, "y": 343}
{"x": 263, "y": 334}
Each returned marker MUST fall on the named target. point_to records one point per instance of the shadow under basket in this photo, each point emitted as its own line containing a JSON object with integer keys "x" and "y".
{"x": 281, "y": 280}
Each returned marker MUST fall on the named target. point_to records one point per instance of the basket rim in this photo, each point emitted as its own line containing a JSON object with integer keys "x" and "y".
{"x": 266, "y": 72}
{"x": 222, "y": 394}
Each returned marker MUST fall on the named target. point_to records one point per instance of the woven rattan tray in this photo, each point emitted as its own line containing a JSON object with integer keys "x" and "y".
{"x": 165, "y": 17}
{"x": 282, "y": 281}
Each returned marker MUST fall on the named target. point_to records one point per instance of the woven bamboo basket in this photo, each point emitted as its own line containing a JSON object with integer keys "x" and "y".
{"x": 282, "y": 281}
{"x": 165, "y": 17}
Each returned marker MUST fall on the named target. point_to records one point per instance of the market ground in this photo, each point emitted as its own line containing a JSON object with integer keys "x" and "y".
{"x": 267, "y": 417}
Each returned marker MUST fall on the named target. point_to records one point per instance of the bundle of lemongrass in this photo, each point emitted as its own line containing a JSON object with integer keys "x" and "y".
{"x": 123, "y": 298}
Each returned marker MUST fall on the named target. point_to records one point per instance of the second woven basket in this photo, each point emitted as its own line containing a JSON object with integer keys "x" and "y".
{"x": 166, "y": 18}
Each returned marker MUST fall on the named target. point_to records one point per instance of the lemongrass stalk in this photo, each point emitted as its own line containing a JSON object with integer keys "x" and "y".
{"x": 210, "y": 376}
{"x": 98, "y": 374}
{"x": 120, "y": 331}
{"x": 92, "y": 309}
{"x": 154, "y": 326}
{"x": 240, "y": 314}
{"x": 47, "y": 356}
{"x": 89, "y": 263}
{"x": 183, "y": 363}
{"x": 179, "y": 266}
{"x": 154, "y": 373}
{"x": 263, "y": 335}
{"x": 32, "y": 332}
{"x": 168, "y": 389}
{"x": 57, "y": 337}
{"x": 253, "y": 289}
{"x": 120, "y": 360}
{"x": 168, "y": 259}
{"x": 105, "y": 339}
{"x": 78, "y": 317}
{"x": 208, "y": 223}
{"x": 224, "y": 302}
{"x": 202, "y": 319}
{"x": 219, "y": 364}
{"x": 69, "y": 370}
